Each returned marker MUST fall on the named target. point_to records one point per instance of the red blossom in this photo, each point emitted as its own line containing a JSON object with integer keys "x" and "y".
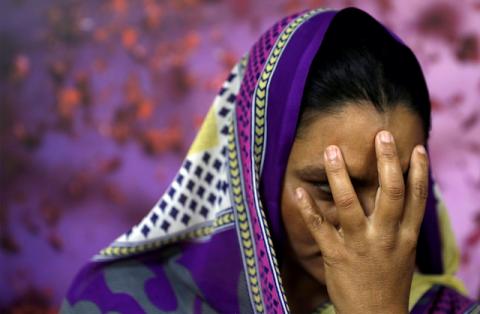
{"x": 468, "y": 48}
{"x": 440, "y": 20}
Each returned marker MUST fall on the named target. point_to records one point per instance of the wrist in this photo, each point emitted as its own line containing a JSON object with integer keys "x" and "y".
{"x": 370, "y": 309}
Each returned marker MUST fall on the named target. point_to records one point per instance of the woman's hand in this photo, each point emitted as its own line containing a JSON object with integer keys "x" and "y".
{"x": 369, "y": 261}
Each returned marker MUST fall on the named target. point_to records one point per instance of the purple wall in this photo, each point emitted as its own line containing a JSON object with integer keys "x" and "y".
{"x": 100, "y": 101}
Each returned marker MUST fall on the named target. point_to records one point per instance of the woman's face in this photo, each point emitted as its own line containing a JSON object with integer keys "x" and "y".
{"x": 353, "y": 129}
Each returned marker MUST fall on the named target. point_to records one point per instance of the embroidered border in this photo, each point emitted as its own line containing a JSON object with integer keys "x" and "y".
{"x": 245, "y": 229}
{"x": 224, "y": 220}
{"x": 260, "y": 104}
{"x": 242, "y": 219}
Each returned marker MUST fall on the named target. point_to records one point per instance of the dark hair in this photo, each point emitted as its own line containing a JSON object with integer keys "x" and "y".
{"x": 360, "y": 61}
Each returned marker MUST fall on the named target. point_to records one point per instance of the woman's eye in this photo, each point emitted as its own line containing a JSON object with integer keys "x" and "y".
{"x": 323, "y": 186}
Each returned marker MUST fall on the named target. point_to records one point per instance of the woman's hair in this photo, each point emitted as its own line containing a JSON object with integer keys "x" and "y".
{"x": 360, "y": 61}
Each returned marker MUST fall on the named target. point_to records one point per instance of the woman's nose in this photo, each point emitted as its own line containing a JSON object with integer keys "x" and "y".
{"x": 331, "y": 215}
{"x": 367, "y": 197}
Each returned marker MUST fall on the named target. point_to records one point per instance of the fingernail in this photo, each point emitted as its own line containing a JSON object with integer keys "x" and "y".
{"x": 332, "y": 153}
{"x": 299, "y": 194}
{"x": 421, "y": 150}
{"x": 386, "y": 137}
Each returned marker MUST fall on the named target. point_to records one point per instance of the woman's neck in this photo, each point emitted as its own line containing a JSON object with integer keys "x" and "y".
{"x": 304, "y": 293}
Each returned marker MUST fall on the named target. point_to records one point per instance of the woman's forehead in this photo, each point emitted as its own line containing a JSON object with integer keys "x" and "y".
{"x": 353, "y": 129}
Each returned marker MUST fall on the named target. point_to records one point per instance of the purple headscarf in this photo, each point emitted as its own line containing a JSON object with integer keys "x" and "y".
{"x": 210, "y": 244}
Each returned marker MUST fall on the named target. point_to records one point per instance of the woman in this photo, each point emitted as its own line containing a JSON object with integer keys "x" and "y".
{"x": 304, "y": 190}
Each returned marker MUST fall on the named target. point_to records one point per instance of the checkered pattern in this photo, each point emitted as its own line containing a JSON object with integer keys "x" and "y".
{"x": 199, "y": 192}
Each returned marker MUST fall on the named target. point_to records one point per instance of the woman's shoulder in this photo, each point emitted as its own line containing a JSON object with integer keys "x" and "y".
{"x": 442, "y": 299}
{"x": 148, "y": 283}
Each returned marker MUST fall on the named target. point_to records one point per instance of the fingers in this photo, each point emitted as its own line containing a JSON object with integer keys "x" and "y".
{"x": 417, "y": 190}
{"x": 350, "y": 213}
{"x": 322, "y": 231}
{"x": 390, "y": 199}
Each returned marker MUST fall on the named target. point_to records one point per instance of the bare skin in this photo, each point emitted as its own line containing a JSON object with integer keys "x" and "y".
{"x": 353, "y": 199}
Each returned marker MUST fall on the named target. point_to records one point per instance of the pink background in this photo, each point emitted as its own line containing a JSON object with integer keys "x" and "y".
{"x": 100, "y": 100}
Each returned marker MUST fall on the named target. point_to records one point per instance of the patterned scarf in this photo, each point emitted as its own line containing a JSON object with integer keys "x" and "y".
{"x": 212, "y": 241}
